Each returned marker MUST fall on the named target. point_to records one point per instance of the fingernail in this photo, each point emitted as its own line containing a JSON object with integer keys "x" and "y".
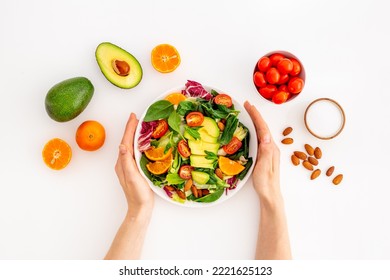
{"x": 122, "y": 149}
{"x": 266, "y": 139}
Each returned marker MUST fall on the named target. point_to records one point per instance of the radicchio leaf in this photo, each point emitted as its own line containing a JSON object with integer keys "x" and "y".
{"x": 145, "y": 135}
{"x": 232, "y": 182}
{"x": 168, "y": 192}
{"x": 195, "y": 89}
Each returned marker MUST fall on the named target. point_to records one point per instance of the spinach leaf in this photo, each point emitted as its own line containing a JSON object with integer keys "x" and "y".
{"x": 211, "y": 197}
{"x": 230, "y": 127}
{"x": 213, "y": 113}
{"x": 211, "y": 155}
{"x": 193, "y": 131}
{"x": 174, "y": 179}
{"x": 174, "y": 121}
{"x": 248, "y": 165}
{"x": 214, "y": 92}
{"x": 185, "y": 106}
{"x": 159, "y": 110}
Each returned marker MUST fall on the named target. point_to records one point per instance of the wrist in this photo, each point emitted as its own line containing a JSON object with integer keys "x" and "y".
{"x": 271, "y": 200}
{"x": 142, "y": 213}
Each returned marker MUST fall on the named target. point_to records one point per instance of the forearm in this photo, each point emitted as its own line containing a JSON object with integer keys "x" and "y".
{"x": 273, "y": 241}
{"x": 130, "y": 237}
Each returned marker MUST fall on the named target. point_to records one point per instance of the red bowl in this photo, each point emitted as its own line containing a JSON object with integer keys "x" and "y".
{"x": 302, "y": 75}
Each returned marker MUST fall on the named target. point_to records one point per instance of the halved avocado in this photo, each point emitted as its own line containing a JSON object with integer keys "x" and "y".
{"x": 119, "y": 67}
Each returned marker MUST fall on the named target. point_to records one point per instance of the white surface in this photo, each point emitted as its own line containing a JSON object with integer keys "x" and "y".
{"x": 74, "y": 214}
{"x": 243, "y": 117}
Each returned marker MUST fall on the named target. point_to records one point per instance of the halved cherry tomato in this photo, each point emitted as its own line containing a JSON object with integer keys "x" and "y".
{"x": 275, "y": 58}
{"x": 285, "y": 66}
{"x": 280, "y": 97}
{"x": 264, "y": 64}
{"x": 232, "y": 146}
{"x": 295, "y": 85}
{"x": 223, "y": 99}
{"x": 268, "y": 91}
{"x": 296, "y": 67}
{"x": 194, "y": 119}
{"x": 183, "y": 149}
{"x": 160, "y": 130}
{"x": 272, "y": 76}
{"x": 259, "y": 79}
{"x": 185, "y": 171}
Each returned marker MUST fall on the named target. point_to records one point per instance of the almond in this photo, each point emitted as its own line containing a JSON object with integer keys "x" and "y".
{"x": 219, "y": 173}
{"x": 317, "y": 153}
{"x": 337, "y": 180}
{"x": 205, "y": 192}
{"x": 313, "y": 160}
{"x": 315, "y": 174}
{"x": 188, "y": 185}
{"x": 307, "y": 165}
{"x": 181, "y": 194}
{"x": 287, "y": 141}
{"x": 295, "y": 160}
{"x": 287, "y": 131}
{"x": 329, "y": 172}
{"x": 170, "y": 188}
{"x": 309, "y": 149}
{"x": 300, "y": 155}
{"x": 194, "y": 191}
{"x": 200, "y": 194}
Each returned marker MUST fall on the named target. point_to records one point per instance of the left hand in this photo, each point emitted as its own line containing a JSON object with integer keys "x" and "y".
{"x": 139, "y": 195}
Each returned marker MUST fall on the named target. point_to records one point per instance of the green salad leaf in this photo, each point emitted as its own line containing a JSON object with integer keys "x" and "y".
{"x": 159, "y": 110}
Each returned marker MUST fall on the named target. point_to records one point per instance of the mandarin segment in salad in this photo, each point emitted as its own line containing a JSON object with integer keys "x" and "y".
{"x": 193, "y": 145}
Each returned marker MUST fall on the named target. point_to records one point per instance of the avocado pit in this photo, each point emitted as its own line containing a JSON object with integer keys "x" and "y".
{"x": 122, "y": 68}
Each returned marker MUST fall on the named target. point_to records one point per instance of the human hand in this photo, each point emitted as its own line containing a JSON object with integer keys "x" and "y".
{"x": 266, "y": 173}
{"x": 139, "y": 196}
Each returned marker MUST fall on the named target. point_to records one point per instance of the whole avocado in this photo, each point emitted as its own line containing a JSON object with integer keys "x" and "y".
{"x": 67, "y": 99}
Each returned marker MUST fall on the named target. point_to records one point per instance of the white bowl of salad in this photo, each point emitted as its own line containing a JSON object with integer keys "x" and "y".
{"x": 195, "y": 145}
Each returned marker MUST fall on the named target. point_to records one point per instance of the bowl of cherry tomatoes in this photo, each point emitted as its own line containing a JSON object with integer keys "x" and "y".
{"x": 279, "y": 76}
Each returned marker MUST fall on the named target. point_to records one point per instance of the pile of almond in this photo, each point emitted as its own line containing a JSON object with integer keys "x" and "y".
{"x": 309, "y": 159}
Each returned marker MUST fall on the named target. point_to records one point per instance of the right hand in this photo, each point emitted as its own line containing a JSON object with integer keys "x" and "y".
{"x": 266, "y": 173}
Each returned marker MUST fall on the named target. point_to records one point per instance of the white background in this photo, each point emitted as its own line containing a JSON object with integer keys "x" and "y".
{"x": 75, "y": 213}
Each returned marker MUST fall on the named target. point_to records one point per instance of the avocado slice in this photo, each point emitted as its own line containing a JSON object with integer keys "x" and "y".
{"x": 119, "y": 67}
{"x": 198, "y": 147}
{"x": 200, "y": 177}
{"x": 201, "y": 161}
{"x": 211, "y": 127}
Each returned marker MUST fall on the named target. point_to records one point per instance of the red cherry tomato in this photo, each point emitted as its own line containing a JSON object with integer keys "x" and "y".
{"x": 232, "y": 146}
{"x": 160, "y": 130}
{"x": 275, "y": 58}
{"x": 183, "y": 149}
{"x": 283, "y": 88}
{"x": 295, "y": 85}
{"x": 223, "y": 99}
{"x": 264, "y": 64}
{"x": 283, "y": 79}
{"x": 185, "y": 171}
{"x": 280, "y": 97}
{"x": 268, "y": 91}
{"x": 272, "y": 76}
{"x": 194, "y": 119}
{"x": 285, "y": 66}
{"x": 296, "y": 67}
{"x": 259, "y": 79}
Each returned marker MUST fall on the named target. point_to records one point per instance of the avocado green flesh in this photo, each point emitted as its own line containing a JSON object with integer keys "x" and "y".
{"x": 201, "y": 161}
{"x": 211, "y": 127}
{"x": 106, "y": 53}
{"x": 198, "y": 147}
{"x": 200, "y": 177}
{"x": 67, "y": 99}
